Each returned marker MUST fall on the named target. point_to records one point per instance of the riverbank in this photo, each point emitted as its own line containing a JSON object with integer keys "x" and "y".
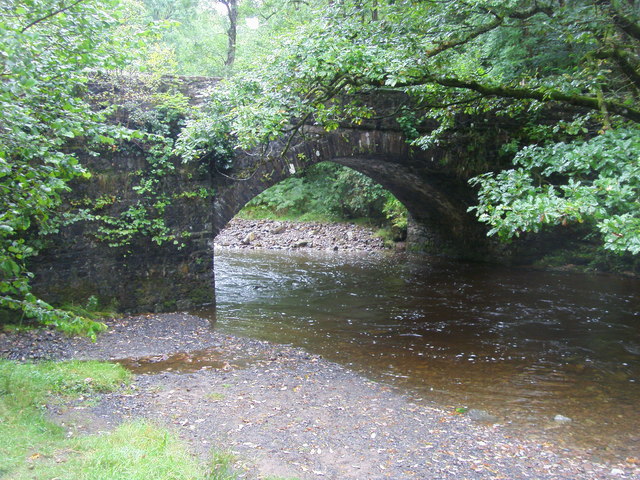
{"x": 285, "y": 235}
{"x": 286, "y": 413}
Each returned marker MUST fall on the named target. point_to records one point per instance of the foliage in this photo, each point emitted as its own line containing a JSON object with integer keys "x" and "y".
{"x": 328, "y": 191}
{"x": 207, "y": 134}
{"x": 145, "y": 216}
{"x": 596, "y": 181}
{"x": 516, "y": 58}
{"x": 48, "y": 52}
{"x": 151, "y": 110}
{"x": 395, "y": 212}
{"x": 91, "y": 309}
{"x": 199, "y": 37}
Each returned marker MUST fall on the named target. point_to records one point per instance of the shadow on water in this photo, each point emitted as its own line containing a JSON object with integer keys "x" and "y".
{"x": 522, "y": 345}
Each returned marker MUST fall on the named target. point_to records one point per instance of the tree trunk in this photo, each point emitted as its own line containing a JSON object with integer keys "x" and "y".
{"x": 232, "y": 33}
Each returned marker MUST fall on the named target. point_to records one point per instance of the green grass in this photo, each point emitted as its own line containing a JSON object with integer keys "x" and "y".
{"x": 31, "y": 447}
{"x": 222, "y": 466}
{"x": 134, "y": 451}
{"x": 18, "y": 328}
{"x": 24, "y": 388}
{"x": 26, "y": 385}
{"x": 215, "y": 396}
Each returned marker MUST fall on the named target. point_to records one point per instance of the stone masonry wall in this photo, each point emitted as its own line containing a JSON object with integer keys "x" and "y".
{"x": 141, "y": 276}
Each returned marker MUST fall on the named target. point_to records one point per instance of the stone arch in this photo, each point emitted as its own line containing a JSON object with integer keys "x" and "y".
{"x": 437, "y": 201}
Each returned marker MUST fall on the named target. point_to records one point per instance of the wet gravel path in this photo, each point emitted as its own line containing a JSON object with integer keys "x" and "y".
{"x": 290, "y": 414}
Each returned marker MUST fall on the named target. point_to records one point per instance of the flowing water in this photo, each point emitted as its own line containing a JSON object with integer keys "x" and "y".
{"x": 521, "y": 345}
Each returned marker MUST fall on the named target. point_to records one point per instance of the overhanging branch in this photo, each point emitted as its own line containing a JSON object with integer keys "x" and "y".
{"x": 521, "y": 93}
{"x": 591, "y": 102}
{"x": 51, "y": 14}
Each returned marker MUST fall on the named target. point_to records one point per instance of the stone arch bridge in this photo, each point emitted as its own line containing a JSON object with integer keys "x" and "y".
{"x": 437, "y": 199}
{"x": 146, "y": 277}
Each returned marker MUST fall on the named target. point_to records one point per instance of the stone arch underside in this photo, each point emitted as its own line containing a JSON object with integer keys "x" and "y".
{"x": 437, "y": 200}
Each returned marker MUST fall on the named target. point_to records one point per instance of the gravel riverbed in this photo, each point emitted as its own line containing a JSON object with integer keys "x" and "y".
{"x": 281, "y": 235}
{"x": 286, "y": 413}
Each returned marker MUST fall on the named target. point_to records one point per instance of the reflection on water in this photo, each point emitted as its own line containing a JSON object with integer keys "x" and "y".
{"x": 523, "y": 345}
{"x": 183, "y": 362}
{"x": 189, "y": 362}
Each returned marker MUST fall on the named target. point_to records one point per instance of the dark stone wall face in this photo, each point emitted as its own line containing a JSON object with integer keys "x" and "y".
{"x": 141, "y": 276}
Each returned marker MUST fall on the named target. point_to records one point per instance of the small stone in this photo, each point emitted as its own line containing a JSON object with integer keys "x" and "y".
{"x": 251, "y": 236}
{"x": 617, "y": 471}
{"x": 481, "y": 416}
{"x": 562, "y": 419}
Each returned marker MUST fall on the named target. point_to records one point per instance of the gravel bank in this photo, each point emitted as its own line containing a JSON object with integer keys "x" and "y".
{"x": 287, "y": 413}
{"x": 298, "y": 235}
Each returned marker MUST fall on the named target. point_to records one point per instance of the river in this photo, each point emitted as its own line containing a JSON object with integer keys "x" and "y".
{"x": 521, "y": 345}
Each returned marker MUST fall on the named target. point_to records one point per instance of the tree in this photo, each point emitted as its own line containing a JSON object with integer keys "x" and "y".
{"x": 232, "y": 32}
{"x": 210, "y": 37}
{"x": 176, "y": 10}
{"x": 48, "y": 51}
{"x": 511, "y": 58}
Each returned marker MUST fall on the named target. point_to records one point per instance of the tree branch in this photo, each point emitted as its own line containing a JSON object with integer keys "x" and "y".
{"x": 542, "y": 95}
{"x": 495, "y": 23}
{"x": 623, "y": 60}
{"x": 623, "y": 22}
{"x": 51, "y": 14}
{"x": 503, "y": 91}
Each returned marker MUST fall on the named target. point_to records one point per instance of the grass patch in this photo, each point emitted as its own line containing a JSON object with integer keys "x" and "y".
{"x": 24, "y": 389}
{"x": 26, "y": 385}
{"x": 134, "y": 451}
{"x": 387, "y": 236}
{"x": 31, "y": 447}
{"x": 215, "y": 397}
{"x": 222, "y": 466}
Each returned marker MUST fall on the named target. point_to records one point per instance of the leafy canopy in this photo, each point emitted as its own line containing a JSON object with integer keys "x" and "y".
{"x": 511, "y": 58}
{"x": 596, "y": 181}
